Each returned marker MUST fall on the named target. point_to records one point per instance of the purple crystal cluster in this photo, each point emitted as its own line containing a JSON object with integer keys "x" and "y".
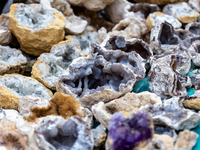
{"x": 128, "y": 133}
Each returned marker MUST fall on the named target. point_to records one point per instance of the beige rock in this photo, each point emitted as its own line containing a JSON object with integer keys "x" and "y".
{"x": 11, "y": 137}
{"x": 159, "y": 2}
{"x": 11, "y": 60}
{"x": 5, "y": 34}
{"x": 186, "y": 140}
{"x": 181, "y": 11}
{"x": 14, "y": 86}
{"x": 129, "y": 103}
{"x": 160, "y": 142}
{"x": 159, "y": 17}
{"x": 191, "y": 102}
{"x": 36, "y": 41}
{"x": 94, "y": 5}
{"x": 49, "y": 66}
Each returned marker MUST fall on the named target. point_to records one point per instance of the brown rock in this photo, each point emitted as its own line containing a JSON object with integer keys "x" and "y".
{"x": 33, "y": 41}
{"x": 186, "y": 140}
{"x": 191, "y": 102}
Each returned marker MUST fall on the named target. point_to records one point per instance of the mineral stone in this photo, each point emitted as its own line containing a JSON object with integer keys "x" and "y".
{"x": 194, "y": 51}
{"x": 130, "y": 102}
{"x": 159, "y": 17}
{"x": 91, "y": 80}
{"x": 164, "y": 81}
{"x": 163, "y": 130}
{"x": 36, "y": 28}
{"x": 192, "y": 102}
{"x": 133, "y": 132}
{"x": 49, "y": 66}
{"x": 159, "y": 2}
{"x": 94, "y": 5}
{"x": 194, "y": 4}
{"x": 181, "y": 11}
{"x": 12, "y": 60}
{"x": 186, "y": 140}
{"x": 132, "y": 59}
{"x": 121, "y": 9}
{"x": 11, "y": 137}
{"x": 172, "y": 115}
{"x": 99, "y": 135}
{"x": 193, "y": 27}
{"x": 161, "y": 142}
{"x": 14, "y": 86}
{"x": 5, "y": 34}
{"x": 57, "y": 133}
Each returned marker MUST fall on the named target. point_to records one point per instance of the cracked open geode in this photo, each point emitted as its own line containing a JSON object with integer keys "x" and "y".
{"x": 91, "y": 80}
{"x": 132, "y": 59}
{"x": 11, "y": 60}
{"x": 15, "y": 86}
{"x": 36, "y": 28}
{"x": 57, "y": 133}
{"x": 164, "y": 80}
{"x": 165, "y": 38}
{"x": 132, "y": 45}
{"x": 49, "y": 66}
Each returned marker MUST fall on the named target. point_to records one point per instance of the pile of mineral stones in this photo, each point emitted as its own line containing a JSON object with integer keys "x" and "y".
{"x": 73, "y": 72}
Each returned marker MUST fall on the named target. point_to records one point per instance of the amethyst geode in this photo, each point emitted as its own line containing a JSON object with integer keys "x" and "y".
{"x": 129, "y": 133}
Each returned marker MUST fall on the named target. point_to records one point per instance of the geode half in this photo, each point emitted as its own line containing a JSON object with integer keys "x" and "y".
{"x": 36, "y": 28}
{"x": 11, "y": 60}
{"x": 15, "y": 86}
{"x": 57, "y": 133}
{"x": 91, "y": 80}
{"x": 49, "y": 66}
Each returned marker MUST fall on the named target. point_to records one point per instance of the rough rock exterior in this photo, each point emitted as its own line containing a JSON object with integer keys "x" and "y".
{"x": 45, "y": 34}
{"x": 186, "y": 140}
{"x": 11, "y": 60}
{"x": 131, "y": 102}
{"x": 5, "y": 34}
{"x": 192, "y": 102}
{"x": 49, "y": 66}
{"x": 14, "y": 86}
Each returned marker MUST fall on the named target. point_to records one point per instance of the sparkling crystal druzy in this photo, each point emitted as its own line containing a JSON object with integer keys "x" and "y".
{"x": 130, "y": 133}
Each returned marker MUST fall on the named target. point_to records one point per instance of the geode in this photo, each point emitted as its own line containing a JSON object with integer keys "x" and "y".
{"x": 57, "y": 133}
{"x": 132, "y": 45}
{"x": 172, "y": 115}
{"x": 186, "y": 140}
{"x": 11, "y": 137}
{"x": 181, "y": 11}
{"x": 183, "y": 60}
{"x": 158, "y": 17}
{"x": 132, "y": 59}
{"x": 164, "y": 81}
{"x": 161, "y": 130}
{"x": 121, "y": 9}
{"x": 193, "y": 27}
{"x": 14, "y": 86}
{"x": 133, "y": 132}
{"x": 36, "y": 28}
{"x": 5, "y": 34}
{"x": 194, "y": 4}
{"x": 130, "y": 102}
{"x": 12, "y": 60}
{"x": 91, "y": 80}
{"x": 194, "y": 51}
{"x": 49, "y": 66}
